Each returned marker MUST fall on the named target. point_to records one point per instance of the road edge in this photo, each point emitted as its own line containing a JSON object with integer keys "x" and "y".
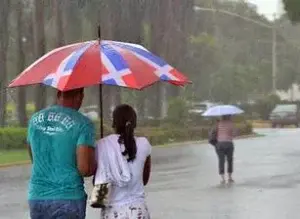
{"x": 205, "y": 141}
{"x": 175, "y": 144}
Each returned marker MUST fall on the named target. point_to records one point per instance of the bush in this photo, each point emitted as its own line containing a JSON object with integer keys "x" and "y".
{"x": 265, "y": 105}
{"x": 15, "y": 138}
{"x": 177, "y": 112}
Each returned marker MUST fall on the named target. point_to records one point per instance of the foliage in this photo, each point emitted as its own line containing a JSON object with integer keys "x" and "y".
{"x": 15, "y": 138}
{"x": 265, "y": 105}
{"x": 292, "y": 8}
{"x": 228, "y": 58}
{"x": 177, "y": 111}
{"x": 232, "y": 58}
{"x": 12, "y": 138}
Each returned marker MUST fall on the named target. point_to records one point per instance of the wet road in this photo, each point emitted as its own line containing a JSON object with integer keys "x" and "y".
{"x": 184, "y": 182}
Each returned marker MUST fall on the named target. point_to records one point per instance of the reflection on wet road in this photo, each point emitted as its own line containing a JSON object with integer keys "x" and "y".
{"x": 184, "y": 182}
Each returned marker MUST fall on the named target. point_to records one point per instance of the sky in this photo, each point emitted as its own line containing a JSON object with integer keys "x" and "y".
{"x": 268, "y": 7}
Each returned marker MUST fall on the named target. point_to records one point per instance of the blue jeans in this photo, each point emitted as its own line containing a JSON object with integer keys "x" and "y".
{"x": 57, "y": 209}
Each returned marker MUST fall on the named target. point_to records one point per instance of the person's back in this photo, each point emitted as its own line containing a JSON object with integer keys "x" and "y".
{"x": 134, "y": 190}
{"x": 54, "y": 134}
{"x": 124, "y": 162}
{"x": 225, "y": 131}
{"x": 61, "y": 146}
{"x": 225, "y": 147}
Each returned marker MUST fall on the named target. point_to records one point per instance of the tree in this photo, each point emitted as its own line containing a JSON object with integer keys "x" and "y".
{"x": 22, "y": 117}
{"x": 40, "y": 49}
{"x": 60, "y": 40}
{"x": 72, "y": 20}
{"x": 4, "y": 14}
{"x": 225, "y": 50}
{"x": 292, "y": 8}
{"x": 180, "y": 21}
{"x": 158, "y": 27}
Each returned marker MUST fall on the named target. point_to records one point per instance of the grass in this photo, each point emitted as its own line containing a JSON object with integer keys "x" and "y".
{"x": 13, "y": 156}
{"x": 8, "y": 157}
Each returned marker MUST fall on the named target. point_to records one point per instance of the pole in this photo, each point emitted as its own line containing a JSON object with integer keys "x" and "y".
{"x": 216, "y": 38}
{"x": 274, "y": 57}
{"x": 100, "y": 90}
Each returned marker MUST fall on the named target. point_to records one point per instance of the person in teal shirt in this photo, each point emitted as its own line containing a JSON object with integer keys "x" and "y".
{"x": 61, "y": 146}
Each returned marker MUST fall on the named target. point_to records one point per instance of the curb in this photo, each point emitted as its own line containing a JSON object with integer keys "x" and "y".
{"x": 28, "y": 162}
{"x": 204, "y": 141}
{"x": 21, "y": 163}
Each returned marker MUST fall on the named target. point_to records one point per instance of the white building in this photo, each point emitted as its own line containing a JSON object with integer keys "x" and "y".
{"x": 292, "y": 94}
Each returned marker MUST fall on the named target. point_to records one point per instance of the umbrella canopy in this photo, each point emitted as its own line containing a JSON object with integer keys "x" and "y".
{"x": 222, "y": 110}
{"x": 99, "y": 62}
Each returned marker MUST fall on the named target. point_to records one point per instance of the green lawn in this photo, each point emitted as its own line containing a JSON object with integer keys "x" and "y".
{"x": 13, "y": 156}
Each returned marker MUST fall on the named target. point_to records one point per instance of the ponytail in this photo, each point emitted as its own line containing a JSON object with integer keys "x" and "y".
{"x": 124, "y": 123}
{"x": 127, "y": 138}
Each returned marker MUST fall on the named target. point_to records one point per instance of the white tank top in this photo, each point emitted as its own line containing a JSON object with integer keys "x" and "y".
{"x": 134, "y": 191}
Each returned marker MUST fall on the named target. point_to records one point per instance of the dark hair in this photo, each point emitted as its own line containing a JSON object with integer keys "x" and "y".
{"x": 226, "y": 117}
{"x": 124, "y": 123}
{"x": 70, "y": 93}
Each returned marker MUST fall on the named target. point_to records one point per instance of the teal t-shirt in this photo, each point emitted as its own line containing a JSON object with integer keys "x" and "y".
{"x": 54, "y": 135}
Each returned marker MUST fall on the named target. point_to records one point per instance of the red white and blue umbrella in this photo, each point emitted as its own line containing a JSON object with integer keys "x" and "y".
{"x": 90, "y": 63}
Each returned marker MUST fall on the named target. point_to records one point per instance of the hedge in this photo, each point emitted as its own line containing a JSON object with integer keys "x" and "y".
{"x": 15, "y": 138}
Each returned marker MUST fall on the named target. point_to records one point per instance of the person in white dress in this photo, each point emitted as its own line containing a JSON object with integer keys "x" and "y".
{"x": 124, "y": 161}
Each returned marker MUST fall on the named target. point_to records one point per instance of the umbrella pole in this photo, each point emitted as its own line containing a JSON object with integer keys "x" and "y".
{"x": 101, "y": 108}
{"x": 100, "y": 90}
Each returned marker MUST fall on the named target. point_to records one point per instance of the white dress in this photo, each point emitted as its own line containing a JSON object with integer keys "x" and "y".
{"x": 128, "y": 202}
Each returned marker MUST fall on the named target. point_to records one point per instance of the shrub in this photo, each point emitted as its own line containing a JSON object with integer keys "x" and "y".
{"x": 265, "y": 105}
{"x": 177, "y": 111}
{"x": 15, "y": 138}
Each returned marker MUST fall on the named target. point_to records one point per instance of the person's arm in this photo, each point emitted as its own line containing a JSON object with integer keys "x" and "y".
{"x": 28, "y": 142}
{"x": 85, "y": 153}
{"x": 147, "y": 165}
{"x": 147, "y": 170}
{"x": 29, "y": 152}
{"x": 86, "y": 163}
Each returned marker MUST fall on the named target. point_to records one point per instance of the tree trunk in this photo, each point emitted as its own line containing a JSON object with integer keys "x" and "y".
{"x": 72, "y": 22}
{"x": 4, "y": 13}
{"x": 21, "y": 106}
{"x": 58, "y": 6}
{"x": 41, "y": 93}
{"x": 115, "y": 16}
{"x": 181, "y": 13}
{"x": 60, "y": 40}
{"x": 135, "y": 31}
{"x": 158, "y": 20}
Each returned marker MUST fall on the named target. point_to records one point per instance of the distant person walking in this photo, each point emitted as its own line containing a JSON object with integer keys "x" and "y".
{"x": 61, "y": 146}
{"x": 225, "y": 147}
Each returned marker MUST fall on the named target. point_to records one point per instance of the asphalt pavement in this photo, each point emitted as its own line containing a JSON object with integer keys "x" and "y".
{"x": 185, "y": 184}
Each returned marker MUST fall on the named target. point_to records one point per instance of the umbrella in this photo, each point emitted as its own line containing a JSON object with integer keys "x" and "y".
{"x": 99, "y": 62}
{"x": 222, "y": 110}
{"x": 79, "y": 65}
